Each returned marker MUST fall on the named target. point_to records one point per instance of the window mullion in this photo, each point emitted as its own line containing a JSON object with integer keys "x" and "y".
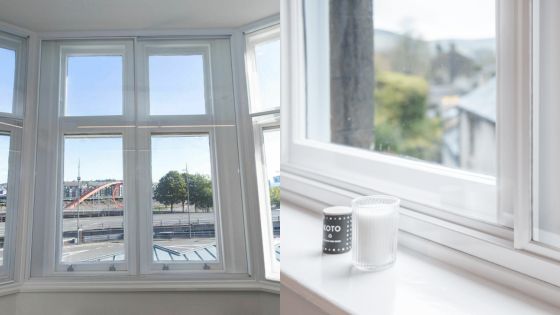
{"x": 514, "y": 86}
{"x": 144, "y": 200}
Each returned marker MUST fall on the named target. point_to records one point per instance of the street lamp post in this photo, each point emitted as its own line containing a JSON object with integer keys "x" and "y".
{"x": 188, "y": 199}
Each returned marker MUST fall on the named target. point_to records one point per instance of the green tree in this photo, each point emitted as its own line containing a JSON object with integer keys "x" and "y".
{"x": 411, "y": 55}
{"x": 200, "y": 191}
{"x": 401, "y": 124}
{"x": 275, "y": 197}
{"x": 171, "y": 189}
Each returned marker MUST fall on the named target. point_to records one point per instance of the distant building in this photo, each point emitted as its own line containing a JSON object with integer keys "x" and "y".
{"x": 449, "y": 66}
{"x": 469, "y": 140}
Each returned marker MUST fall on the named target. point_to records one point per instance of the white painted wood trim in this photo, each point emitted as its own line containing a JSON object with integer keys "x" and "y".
{"x": 462, "y": 239}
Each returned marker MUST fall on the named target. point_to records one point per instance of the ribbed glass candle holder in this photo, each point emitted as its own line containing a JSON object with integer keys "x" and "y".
{"x": 375, "y": 226}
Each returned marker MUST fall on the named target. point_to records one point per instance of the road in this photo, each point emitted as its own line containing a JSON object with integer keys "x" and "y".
{"x": 89, "y": 223}
{"x": 74, "y": 253}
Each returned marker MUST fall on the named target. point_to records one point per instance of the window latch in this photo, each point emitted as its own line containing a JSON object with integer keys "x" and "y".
{"x": 165, "y": 267}
{"x": 206, "y": 266}
{"x": 70, "y": 268}
{"x": 112, "y": 268}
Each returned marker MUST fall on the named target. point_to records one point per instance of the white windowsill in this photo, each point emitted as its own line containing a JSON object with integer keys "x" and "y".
{"x": 74, "y": 285}
{"x": 416, "y": 284}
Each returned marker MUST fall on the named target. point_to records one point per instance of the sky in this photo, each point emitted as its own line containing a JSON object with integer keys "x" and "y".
{"x": 102, "y": 157}
{"x": 172, "y": 153}
{"x": 99, "y": 158}
{"x": 272, "y": 152}
{"x": 437, "y": 19}
{"x": 7, "y": 76}
{"x": 94, "y": 86}
{"x": 177, "y": 85}
{"x": 267, "y": 56}
{"x": 268, "y": 71}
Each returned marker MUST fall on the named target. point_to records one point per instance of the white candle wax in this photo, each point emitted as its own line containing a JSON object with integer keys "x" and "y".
{"x": 375, "y": 228}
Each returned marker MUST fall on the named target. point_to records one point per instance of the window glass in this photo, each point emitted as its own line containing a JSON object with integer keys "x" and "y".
{"x": 177, "y": 85}
{"x": 546, "y": 74}
{"x": 93, "y": 226}
{"x": 7, "y": 79}
{"x": 271, "y": 149}
{"x": 263, "y": 80}
{"x": 4, "y": 160}
{"x": 406, "y": 81}
{"x": 183, "y": 213}
{"x": 267, "y": 83}
{"x": 94, "y": 86}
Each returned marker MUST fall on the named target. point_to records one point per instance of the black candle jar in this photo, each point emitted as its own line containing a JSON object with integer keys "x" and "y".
{"x": 337, "y": 230}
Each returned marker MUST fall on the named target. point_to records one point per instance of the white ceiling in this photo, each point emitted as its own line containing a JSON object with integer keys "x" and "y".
{"x": 88, "y": 15}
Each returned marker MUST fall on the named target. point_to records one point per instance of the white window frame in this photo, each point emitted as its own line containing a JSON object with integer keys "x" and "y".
{"x": 330, "y": 174}
{"x": 149, "y": 48}
{"x": 148, "y": 266}
{"x": 17, "y": 44}
{"x": 262, "y": 120}
{"x": 217, "y": 123}
{"x": 56, "y": 126}
{"x": 12, "y": 124}
{"x": 525, "y": 228}
{"x": 390, "y": 170}
{"x": 272, "y": 266}
{"x": 106, "y": 48}
{"x": 136, "y": 127}
{"x": 12, "y": 202}
{"x": 252, "y": 39}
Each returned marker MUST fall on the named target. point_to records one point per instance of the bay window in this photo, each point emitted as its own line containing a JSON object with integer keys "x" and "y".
{"x": 12, "y": 94}
{"x": 138, "y": 156}
{"x": 262, "y": 62}
{"x": 451, "y": 114}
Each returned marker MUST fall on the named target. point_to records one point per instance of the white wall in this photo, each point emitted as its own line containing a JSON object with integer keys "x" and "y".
{"x": 8, "y": 304}
{"x": 295, "y": 304}
{"x": 141, "y": 303}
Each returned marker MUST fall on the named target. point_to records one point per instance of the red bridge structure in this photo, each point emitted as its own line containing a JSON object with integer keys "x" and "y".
{"x": 85, "y": 195}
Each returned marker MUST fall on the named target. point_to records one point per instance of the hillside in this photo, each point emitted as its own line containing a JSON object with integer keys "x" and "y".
{"x": 386, "y": 40}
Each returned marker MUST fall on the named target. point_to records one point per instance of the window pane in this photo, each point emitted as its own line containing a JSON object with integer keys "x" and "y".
{"x": 177, "y": 85}
{"x": 183, "y": 205}
{"x": 94, "y": 86}
{"x": 267, "y": 85}
{"x": 271, "y": 146}
{"x": 7, "y": 79}
{"x": 4, "y": 157}
{"x": 93, "y": 207}
{"x": 546, "y": 75}
{"x": 407, "y": 83}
